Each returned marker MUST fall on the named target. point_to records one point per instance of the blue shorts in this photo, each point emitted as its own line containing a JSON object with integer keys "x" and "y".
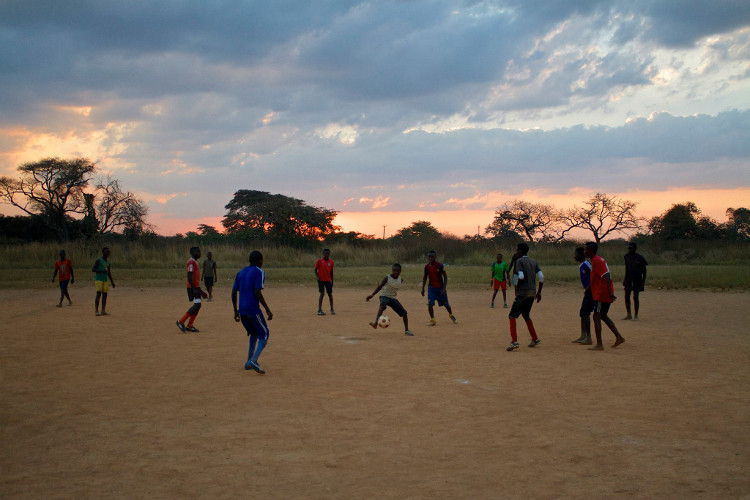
{"x": 64, "y": 284}
{"x": 587, "y": 304}
{"x": 435, "y": 294}
{"x": 255, "y": 324}
{"x": 209, "y": 281}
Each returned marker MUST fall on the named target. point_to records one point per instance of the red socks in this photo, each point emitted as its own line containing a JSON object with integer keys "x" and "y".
{"x": 514, "y": 333}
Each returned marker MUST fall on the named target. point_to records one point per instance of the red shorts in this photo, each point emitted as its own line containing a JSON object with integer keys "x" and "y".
{"x": 498, "y": 284}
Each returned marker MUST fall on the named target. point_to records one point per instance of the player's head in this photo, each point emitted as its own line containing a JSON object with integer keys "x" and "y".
{"x": 195, "y": 252}
{"x": 209, "y": 255}
{"x": 632, "y": 247}
{"x": 499, "y": 258}
{"x": 105, "y": 252}
{"x": 591, "y": 248}
{"x": 432, "y": 255}
{"x": 256, "y": 258}
{"x": 326, "y": 254}
{"x": 579, "y": 256}
{"x": 62, "y": 254}
{"x": 522, "y": 249}
{"x": 395, "y": 270}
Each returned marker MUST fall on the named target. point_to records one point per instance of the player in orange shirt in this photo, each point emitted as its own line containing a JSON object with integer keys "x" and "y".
{"x": 195, "y": 294}
{"x": 65, "y": 267}
{"x": 324, "y": 274}
{"x": 603, "y": 294}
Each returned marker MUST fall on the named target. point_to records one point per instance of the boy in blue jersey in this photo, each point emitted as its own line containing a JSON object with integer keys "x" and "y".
{"x": 249, "y": 284}
{"x": 587, "y": 305}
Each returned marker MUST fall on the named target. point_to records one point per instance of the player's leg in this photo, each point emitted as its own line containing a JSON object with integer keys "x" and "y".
{"x": 104, "y": 303}
{"x": 444, "y": 302}
{"x": 515, "y": 312}
{"x": 503, "y": 286}
{"x": 597, "y": 327}
{"x": 619, "y": 339}
{"x": 526, "y": 313}
{"x": 628, "y": 289}
{"x": 381, "y": 309}
{"x": 321, "y": 294}
{"x": 495, "y": 287}
{"x": 399, "y": 309}
{"x": 67, "y": 294}
{"x": 260, "y": 330}
{"x": 636, "y": 302}
{"x": 62, "y": 294}
{"x": 193, "y": 313}
{"x": 329, "y": 290}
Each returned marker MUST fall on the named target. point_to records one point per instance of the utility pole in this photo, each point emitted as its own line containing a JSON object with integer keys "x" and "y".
{"x": 384, "y": 231}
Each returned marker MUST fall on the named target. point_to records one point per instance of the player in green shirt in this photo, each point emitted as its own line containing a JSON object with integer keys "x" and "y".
{"x": 500, "y": 270}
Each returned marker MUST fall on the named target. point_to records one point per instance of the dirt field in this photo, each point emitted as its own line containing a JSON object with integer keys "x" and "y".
{"x": 125, "y": 406}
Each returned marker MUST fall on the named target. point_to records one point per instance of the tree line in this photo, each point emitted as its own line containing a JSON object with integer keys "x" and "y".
{"x": 64, "y": 200}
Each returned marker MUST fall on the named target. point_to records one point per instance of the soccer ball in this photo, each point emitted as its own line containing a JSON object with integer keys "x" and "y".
{"x": 384, "y": 322}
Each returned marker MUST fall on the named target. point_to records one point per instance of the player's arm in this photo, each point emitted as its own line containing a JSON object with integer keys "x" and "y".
{"x": 445, "y": 282}
{"x": 54, "y": 274}
{"x": 109, "y": 275}
{"x": 644, "y": 266}
{"x": 424, "y": 280}
{"x": 380, "y": 286}
{"x": 540, "y": 280}
{"x": 234, "y": 305}
{"x": 608, "y": 279}
{"x": 259, "y": 295}
{"x": 95, "y": 268}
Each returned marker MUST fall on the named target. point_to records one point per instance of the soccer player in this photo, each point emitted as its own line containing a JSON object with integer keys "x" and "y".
{"x": 194, "y": 292}
{"x": 603, "y": 293}
{"x": 209, "y": 275}
{"x": 103, "y": 272}
{"x": 249, "y": 284}
{"x": 390, "y": 285}
{"x": 65, "y": 268}
{"x": 525, "y": 273}
{"x": 587, "y": 304}
{"x": 635, "y": 279}
{"x": 435, "y": 271}
{"x": 500, "y": 270}
{"x": 324, "y": 275}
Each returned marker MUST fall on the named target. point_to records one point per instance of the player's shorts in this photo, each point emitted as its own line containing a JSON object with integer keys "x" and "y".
{"x": 64, "y": 284}
{"x": 194, "y": 295}
{"x": 255, "y": 324}
{"x": 436, "y": 294}
{"x": 102, "y": 286}
{"x": 587, "y": 304}
{"x": 636, "y": 286}
{"x": 521, "y": 307}
{"x": 601, "y": 307}
{"x": 325, "y": 285}
{"x": 208, "y": 281}
{"x": 497, "y": 284}
{"x": 393, "y": 304}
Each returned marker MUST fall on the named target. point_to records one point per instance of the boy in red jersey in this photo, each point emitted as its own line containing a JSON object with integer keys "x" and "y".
{"x": 194, "y": 292}
{"x": 603, "y": 293}
{"x": 435, "y": 271}
{"x": 65, "y": 267}
{"x": 324, "y": 275}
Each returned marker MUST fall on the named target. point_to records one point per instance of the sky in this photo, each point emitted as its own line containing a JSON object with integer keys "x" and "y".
{"x": 388, "y": 112}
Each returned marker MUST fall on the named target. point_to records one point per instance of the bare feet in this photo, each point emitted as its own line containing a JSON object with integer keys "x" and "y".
{"x": 627, "y": 317}
{"x": 586, "y": 342}
{"x": 374, "y": 325}
{"x": 597, "y": 347}
{"x": 619, "y": 341}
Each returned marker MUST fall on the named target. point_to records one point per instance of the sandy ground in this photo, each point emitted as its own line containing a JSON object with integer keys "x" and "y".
{"x": 125, "y": 406}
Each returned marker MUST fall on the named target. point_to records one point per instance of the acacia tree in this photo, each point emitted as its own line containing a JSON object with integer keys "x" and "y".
{"x": 684, "y": 221}
{"x": 418, "y": 229}
{"x": 534, "y": 221}
{"x": 603, "y": 215}
{"x": 117, "y": 209}
{"x": 51, "y": 190}
{"x": 278, "y": 217}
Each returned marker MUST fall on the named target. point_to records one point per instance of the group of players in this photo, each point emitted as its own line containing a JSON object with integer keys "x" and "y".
{"x": 523, "y": 273}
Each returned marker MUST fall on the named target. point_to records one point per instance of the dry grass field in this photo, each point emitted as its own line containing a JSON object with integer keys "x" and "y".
{"x": 125, "y": 406}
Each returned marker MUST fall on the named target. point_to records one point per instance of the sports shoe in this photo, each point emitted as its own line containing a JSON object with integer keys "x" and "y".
{"x": 432, "y": 323}
{"x": 535, "y": 343}
{"x": 180, "y": 326}
{"x": 409, "y": 333}
{"x": 453, "y": 318}
{"x": 253, "y": 365}
{"x": 627, "y": 317}
{"x": 192, "y": 329}
{"x": 513, "y": 345}
{"x": 321, "y": 313}
{"x": 505, "y": 306}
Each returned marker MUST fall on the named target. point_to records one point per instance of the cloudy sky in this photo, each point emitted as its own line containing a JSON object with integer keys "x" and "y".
{"x": 388, "y": 112}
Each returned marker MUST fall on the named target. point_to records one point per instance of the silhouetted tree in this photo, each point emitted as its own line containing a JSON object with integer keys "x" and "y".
{"x": 603, "y": 215}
